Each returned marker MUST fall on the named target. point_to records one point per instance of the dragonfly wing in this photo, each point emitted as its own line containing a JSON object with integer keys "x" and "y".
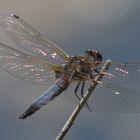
{"x": 127, "y": 74}
{"x": 114, "y": 98}
{"x": 32, "y": 41}
{"x": 26, "y": 67}
{"x": 110, "y": 96}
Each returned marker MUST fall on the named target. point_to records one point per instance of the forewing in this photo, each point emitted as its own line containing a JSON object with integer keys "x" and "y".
{"x": 32, "y": 41}
{"x": 127, "y": 74}
{"x": 25, "y": 67}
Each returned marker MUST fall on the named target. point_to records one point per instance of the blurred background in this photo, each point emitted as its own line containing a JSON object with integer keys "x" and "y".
{"x": 110, "y": 26}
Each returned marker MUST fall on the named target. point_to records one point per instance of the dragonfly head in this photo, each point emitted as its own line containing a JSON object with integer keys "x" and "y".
{"x": 95, "y": 55}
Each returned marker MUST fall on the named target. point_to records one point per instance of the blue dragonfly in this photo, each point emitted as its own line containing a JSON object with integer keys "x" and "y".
{"x": 41, "y": 61}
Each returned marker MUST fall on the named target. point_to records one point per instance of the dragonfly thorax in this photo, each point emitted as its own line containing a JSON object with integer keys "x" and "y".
{"x": 80, "y": 67}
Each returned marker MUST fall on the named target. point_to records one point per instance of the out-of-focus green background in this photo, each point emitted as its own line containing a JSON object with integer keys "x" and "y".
{"x": 110, "y": 26}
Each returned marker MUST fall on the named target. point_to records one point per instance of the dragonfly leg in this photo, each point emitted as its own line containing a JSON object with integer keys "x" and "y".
{"x": 82, "y": 89}
{"x": 97, "y": 70}
{"x": 82, "y": 95}
{"x": 75, "y": 91}
{"x": 94, "y": 72}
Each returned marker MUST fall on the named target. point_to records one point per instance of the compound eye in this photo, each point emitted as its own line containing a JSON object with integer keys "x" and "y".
{"x": 95, "y": 55}
{"x": 98, "y": 56}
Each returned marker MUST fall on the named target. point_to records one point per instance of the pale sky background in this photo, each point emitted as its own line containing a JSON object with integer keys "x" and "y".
{"x": 111, "y": 26}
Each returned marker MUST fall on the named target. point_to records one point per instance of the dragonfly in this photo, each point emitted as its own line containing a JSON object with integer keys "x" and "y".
{"x": 41, "y": 61}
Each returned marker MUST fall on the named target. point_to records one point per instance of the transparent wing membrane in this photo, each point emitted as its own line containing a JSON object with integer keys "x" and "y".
{"x": 123, "y": 73}
{"x": 25, "y": 67}
{"x": 114, "y": 98}
{"x": 119, "y": 89}
{"x": 32, "y": 41}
